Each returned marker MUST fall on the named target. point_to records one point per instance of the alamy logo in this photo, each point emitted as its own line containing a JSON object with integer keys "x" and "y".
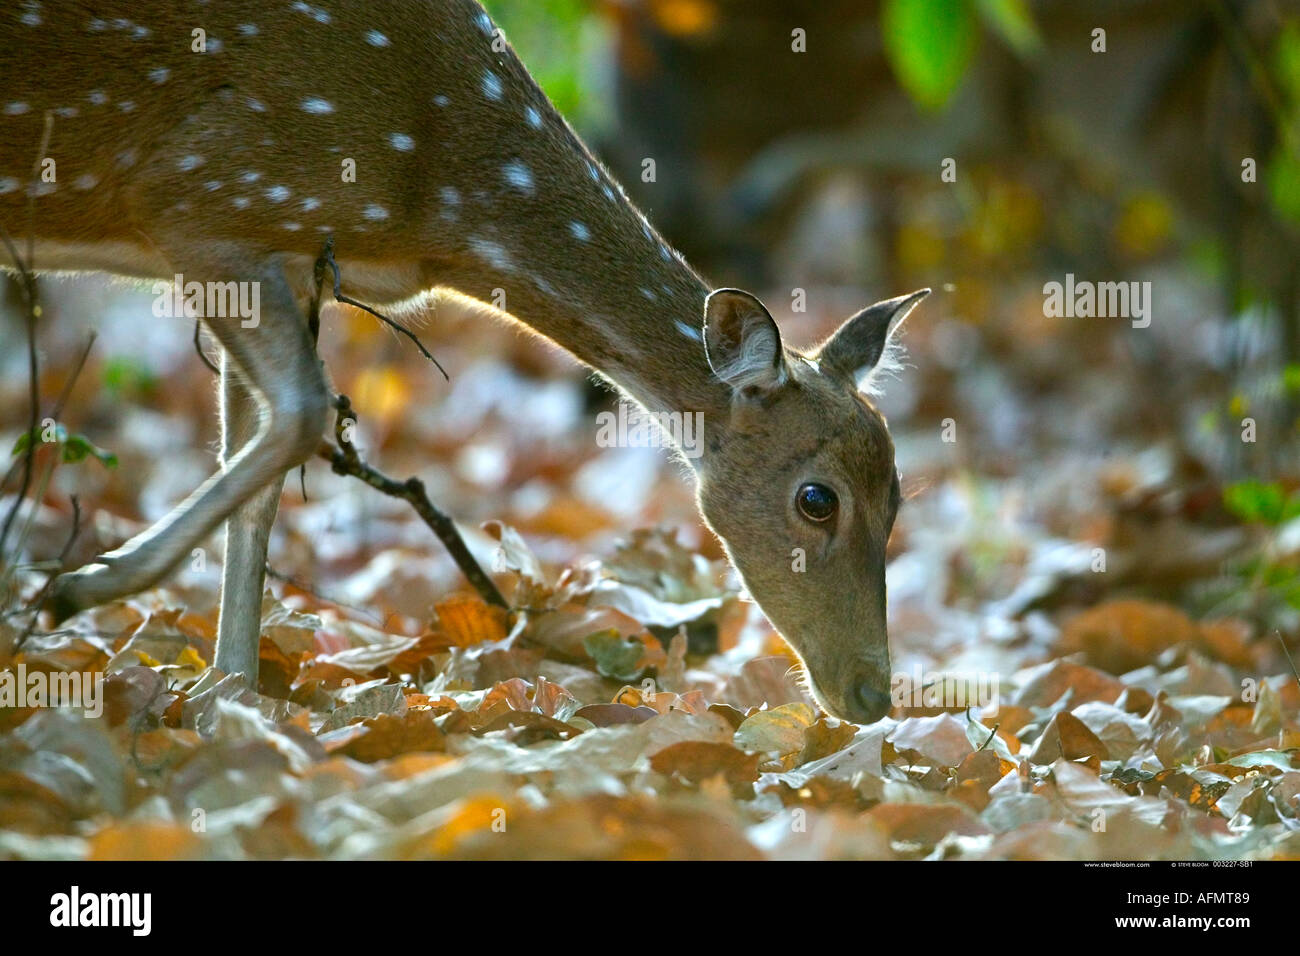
{"x": 944, "y": 690}
{"x": 75, "y": 908}
{"x": 23, "y": 688}
{"x": 633, "y": 427}
{"x": 208, "y": 300}
{"x": 1102, "y": 300}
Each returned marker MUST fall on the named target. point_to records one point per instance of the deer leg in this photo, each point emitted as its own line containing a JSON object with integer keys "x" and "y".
{"x": 278, "y": 364}
{"x": 248, "y": 529}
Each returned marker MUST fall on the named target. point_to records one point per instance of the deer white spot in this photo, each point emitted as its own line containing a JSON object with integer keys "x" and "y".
{"x": 250, "y": 176}
{"x": 400, "y": 141}
{"x": 32, "y": 15}
{"x": 277, "y": 193}
{"x": 314, "y": 104}
{"x": 97, "y": 97}
{"x": 42, "y": 189}
{"x": 493, "y": 253}
{"x": 491, "y": 85}
{"x": 688, "y": 331}
{"x": 374, "y": 211}
{"x": 186, "y": 163}
{"x": 324, "y": 228}
{"x": 96, "y": 25}
{"x": 159, "y": 75}
{"x": 310, "y": 203}
{"x": 593, "y": 172}
{"x": 518, "y": 175}
{"x": 649, "y": 294}
{"x": 16, "y": 109}
{"x": 534, "y": 117}
{"x": 450, "y": 195}
{"x": 291, "y": 226}
{"x": 256, "y": 105}
{"x": 127, "y": 157}
{"x": 609, "y": 193}
{"x": 248, "y": 29}
{"x": 139, "y": 32}
{"x": 485, "y": 23}
{"x": 441, "y": 100}
{"x": 8, "y": 185}
{"x": 317, "y": 14}
{"x": 66, "y": 112}
{"x": 212, "y": 185}
{"x": 240, "y": 202}
{"x": 580, "y": 231}
{"x": 126, "y": 106}
{"x": 375, "y": 38}
{"x": 215, "y": 45}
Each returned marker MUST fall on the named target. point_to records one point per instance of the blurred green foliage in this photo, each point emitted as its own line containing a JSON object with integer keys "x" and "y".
{"x": 1263, "y": 502}
{"x": 565, "y": 45}
{"x": 931, "y": 43}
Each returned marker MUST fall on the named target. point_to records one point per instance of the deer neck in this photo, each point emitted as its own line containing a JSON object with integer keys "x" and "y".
{"x": 605, "y": 287}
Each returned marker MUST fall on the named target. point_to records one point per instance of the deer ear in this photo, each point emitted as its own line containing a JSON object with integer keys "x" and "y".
{"x": 741, "y": 341}
{"x": 854, "y": 349}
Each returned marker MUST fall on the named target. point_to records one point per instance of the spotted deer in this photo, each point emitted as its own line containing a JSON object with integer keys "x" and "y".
{"x": 225, "y": 142}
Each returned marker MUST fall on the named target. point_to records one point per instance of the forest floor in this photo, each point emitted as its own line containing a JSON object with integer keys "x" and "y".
{"x": 1121, "y": 616}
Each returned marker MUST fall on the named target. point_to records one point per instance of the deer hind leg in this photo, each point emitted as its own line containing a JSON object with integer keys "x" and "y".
{"x": 277, "y": 363}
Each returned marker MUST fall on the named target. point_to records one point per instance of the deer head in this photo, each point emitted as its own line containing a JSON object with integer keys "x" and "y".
{"x": 800, "y": 484}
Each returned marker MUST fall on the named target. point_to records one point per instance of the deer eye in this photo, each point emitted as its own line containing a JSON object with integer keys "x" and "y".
{"x": 816, "y": 502}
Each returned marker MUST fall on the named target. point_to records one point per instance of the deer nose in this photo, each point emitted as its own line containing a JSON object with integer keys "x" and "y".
{"x": 872, "y": 704}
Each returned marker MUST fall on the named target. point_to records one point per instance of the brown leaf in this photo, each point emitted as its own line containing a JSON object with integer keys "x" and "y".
{"x": 824, "y": 738}
{"x": 941, "y": 738}
{"x": 609, "y": 715}
{"x": 695, "y": 761}
{"x": 464, "y": 622}
{"x": 925, "y": 824}
{"x": 1067, "y": 736}
{"x": 1046, "y": 684}
{"x": 387, "y": 736}
{"x": 1121, "y": 636}
{"x": 144, "y": 840}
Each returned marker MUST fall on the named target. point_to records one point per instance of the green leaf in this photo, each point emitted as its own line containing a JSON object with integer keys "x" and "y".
{"x": 77, "y": 447}
{"x": 1256, "y": 501}
{"x": 929, "y": 44}
{"x": 1283, "y": 177}
{"x": 615, "y": 656}
{"x": 1012, "y": 21}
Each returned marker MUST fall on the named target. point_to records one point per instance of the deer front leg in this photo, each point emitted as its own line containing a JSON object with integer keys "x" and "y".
{"x": 248, "y": 529}
{"x": 278, "y": 364}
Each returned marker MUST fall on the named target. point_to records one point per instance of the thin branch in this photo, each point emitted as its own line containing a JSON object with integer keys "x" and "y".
{"x": 36, "y": 603}
{"x": 328, "y": 257}
{"x": 27, "y": 278}
{"x": 27, "y": 282}
{"x": 344, "y": 460}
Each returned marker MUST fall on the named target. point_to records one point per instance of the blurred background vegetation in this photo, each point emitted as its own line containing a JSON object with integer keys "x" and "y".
{"x": 823, "y": 166}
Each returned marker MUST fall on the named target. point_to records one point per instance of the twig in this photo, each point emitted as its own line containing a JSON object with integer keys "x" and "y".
{"x": 327, "y": 256}
{"x": 1288, "y": 655}
{"x": 27, "y": 282}
{"x": 36, "y": 603}
{"x": 27, "y": 279}
{"x": 344, "y": 460}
